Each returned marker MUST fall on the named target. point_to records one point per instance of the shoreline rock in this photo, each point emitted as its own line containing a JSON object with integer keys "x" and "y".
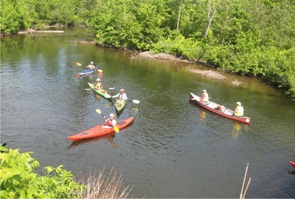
{"x": 165, "y": 56}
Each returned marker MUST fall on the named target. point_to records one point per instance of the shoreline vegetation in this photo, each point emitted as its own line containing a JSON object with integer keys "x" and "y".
{"x": 248, "y": 38}
{"x": 20, "y": 180}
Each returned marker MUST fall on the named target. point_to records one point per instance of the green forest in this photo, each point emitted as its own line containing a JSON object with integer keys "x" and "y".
{"x": 248, "y": 37}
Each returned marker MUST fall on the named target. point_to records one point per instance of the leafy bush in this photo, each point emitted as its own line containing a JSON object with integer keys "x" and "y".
{"x": 18, "y": 179}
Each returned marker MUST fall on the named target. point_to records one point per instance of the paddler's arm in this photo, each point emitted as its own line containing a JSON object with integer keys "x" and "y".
{"x": 115, "y": 96}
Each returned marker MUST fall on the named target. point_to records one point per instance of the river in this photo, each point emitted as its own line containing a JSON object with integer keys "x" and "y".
{"x": 174, "y": 149}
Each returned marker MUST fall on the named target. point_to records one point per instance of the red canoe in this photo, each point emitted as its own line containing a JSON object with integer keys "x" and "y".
{"x": 100, "y": 130}
{"x": 292, "y": 163}
{"x": 228, "y": 113}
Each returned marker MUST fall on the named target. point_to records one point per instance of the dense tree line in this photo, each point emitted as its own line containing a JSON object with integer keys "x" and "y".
{"x": 253, "y": 37}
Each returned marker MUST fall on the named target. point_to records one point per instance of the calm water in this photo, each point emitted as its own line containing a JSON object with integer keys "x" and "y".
{"x": 173, "y": 149}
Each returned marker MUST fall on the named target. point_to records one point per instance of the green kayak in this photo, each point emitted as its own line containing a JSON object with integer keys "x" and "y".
{"x": 120, "y": 104}
{"x": 103, "y": 93}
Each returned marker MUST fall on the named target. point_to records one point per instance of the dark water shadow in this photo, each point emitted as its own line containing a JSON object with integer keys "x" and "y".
{"x": 292, "y": 172}
{"x": 109, "y": 137}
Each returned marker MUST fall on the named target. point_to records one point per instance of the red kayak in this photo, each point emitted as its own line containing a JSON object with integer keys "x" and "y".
{"x": 100, "y": 130}
{"x": 211, "y": 106}
{"x": 292, "y": 163}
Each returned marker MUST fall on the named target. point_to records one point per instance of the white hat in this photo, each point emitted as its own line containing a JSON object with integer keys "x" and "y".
{"x": 239, "y": 103}
{"x": 122, "y": 90}
{"x": 91, "y": 62}
{"x": 112, "y": 115}
{"x": 98, "y": 79}
{"x": 204, "y": 91}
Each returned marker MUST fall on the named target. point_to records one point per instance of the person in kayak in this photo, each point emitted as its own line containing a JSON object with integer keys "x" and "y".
{"x": 239, "y": 110}
{"x": 111, "y": 121}
{"x": 204, "y": 97}
{"x": 121, "y": 95}
{"x": 97, "y": 84}
{"x": 91, "y": 66}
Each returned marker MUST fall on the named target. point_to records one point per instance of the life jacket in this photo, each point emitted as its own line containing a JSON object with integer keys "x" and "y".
{"x": 109, "y": 122}
{"x": 205, "y": 97}
{"x": 98, "y": 85}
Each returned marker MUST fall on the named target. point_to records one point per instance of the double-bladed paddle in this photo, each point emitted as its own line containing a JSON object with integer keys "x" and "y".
{"x": 116, "y": 129}
{"x": 135, "y": 101}
{"x": 98, "y": 70}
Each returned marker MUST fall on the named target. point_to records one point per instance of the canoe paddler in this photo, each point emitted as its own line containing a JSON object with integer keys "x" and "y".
{"x": 239, "y": 110}
{"x": 204, "y": 97}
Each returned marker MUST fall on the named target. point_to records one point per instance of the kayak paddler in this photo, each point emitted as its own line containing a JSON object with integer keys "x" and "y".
{"x": 91, "y": 66}
{"x": 111, "y": 121}
{"x": 97, "y": 84}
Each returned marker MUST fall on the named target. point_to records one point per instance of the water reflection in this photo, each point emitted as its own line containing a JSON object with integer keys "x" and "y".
{"x": 236, "y": 129}
{"x": 202, "y": 116}
{"x": 236, "y": 126}
{"x": 99, "y": 74}
{"x": 91, "y": 76}
{"x": 97, "y": 97}
{"x": 109, "y": 137}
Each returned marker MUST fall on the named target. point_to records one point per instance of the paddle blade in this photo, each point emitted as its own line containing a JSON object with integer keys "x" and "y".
{"x": 78, "y": 64}
{"x": 78, "y": 76}
{"x": 98, "y": 111}
{"x": 116, "y": 129}
{"x": 136, "y": 101}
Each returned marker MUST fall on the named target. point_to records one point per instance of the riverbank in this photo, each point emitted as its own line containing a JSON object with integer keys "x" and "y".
{"x": 31, "y": 31}
{"x": 208, "y": 73}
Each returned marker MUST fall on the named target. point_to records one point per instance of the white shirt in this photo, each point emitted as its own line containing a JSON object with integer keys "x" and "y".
{"x": 120, "y": 96}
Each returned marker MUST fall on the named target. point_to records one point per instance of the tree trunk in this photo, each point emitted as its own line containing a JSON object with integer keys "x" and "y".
{"x": 210, "y": 17}
{"x": 179, "y": 13}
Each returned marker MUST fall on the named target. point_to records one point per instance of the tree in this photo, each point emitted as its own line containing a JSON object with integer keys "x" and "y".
{"x": 211, "y": 14}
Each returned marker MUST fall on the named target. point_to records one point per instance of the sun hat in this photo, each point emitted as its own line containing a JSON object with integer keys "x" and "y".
{"x": 239, "y": 103}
